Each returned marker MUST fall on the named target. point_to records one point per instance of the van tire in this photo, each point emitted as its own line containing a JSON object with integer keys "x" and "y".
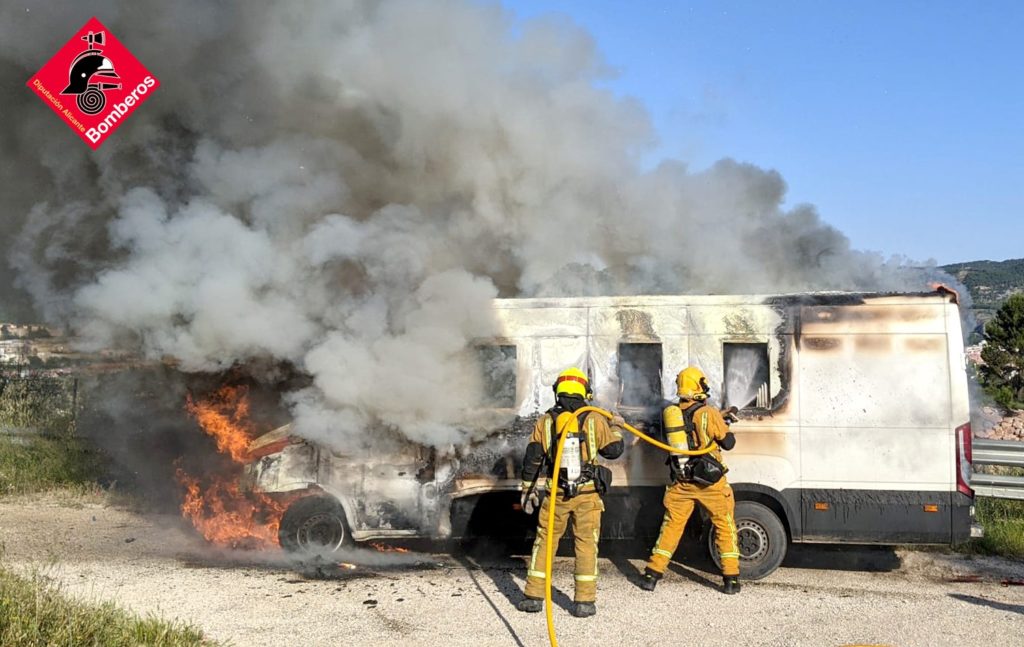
{"x": 314, "y": 524}
{"x": 761, "y": 537}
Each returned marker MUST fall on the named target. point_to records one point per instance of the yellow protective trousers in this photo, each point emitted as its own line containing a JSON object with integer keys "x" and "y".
{"x": 585, "y": 511}
{"x": 679, "y": 500}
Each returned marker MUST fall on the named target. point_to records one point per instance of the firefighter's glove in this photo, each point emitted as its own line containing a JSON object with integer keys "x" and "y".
{"x": 728, "y": 441}
{"x": 530, "y": 501}
{"x": 617, "y": 421}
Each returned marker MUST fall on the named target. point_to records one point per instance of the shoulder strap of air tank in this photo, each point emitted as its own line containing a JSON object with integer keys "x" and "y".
{"x": 692, "y": 437}
{"x": 588, "y": 422}
{"x": 549, "y": 419}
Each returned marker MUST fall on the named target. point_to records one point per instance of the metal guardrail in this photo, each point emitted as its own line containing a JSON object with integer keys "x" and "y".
{"x": 1009, "y": 453}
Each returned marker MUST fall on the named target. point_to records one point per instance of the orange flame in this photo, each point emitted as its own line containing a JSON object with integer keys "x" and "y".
{"x": 226, "y": 516}
{"x": 222, "y": 512}
{"x": 389, "y": 549}
{"x": 224, "y": 417}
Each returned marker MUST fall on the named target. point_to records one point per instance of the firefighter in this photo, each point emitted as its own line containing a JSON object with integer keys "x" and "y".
{"x": 580, "y": 483}
{"x": 693, "y": 424}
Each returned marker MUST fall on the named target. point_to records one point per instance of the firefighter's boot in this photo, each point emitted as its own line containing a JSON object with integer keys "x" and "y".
{"x": 584, "y": 609}
{"x": 731, "y": 584}
{"x": 530, "y": 605}
{"x": 649, "y": 580}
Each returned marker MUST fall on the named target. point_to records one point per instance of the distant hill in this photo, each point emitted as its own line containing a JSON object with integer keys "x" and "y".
{"x": 990, "y": 282}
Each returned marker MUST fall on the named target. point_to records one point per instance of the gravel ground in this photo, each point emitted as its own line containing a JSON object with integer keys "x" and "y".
{"x": 827, "y": 597}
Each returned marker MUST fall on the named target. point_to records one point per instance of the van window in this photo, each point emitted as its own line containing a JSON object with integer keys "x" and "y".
{"x": 639, "y": 374}
{"x": 746, "y": 375}
{"x": 498, "y": 368}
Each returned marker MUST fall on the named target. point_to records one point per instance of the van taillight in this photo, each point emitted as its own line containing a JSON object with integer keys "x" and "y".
{"x": 963, "y": 459}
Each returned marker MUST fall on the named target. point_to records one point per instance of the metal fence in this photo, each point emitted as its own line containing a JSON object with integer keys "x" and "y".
{"x": 1006, "y": 453}
{"x": 37, "y": 404}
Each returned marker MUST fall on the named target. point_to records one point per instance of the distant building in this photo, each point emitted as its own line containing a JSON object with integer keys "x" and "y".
{"x": 14, "y": 351}
{"x": 10, "y": 331}
{"x": 40, "y": 347}
{"x": 974, "y": 354}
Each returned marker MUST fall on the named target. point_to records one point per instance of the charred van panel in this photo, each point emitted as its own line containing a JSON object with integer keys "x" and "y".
{"x": 877, "y": 516}
{"x": 635, "y": 323}
{"x": 822, "y": 344}
{"x": 630, "y": 513}
{"x": 293, "y": 468}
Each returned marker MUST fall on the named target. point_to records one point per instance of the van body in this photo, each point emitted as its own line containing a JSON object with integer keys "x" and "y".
{"x": 854, "y": 423}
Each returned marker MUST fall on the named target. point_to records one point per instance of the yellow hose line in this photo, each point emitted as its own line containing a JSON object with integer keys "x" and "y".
{"x": 639, "y": 434}
{"x": 553, "y": 494}
{"x": 548, "y": 546}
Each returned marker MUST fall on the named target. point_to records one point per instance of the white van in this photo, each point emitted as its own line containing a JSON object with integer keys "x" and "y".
{"x": 854, "y": 424}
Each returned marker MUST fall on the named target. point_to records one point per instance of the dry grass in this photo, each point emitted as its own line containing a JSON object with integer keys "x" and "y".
{"x": 44, "y": 404}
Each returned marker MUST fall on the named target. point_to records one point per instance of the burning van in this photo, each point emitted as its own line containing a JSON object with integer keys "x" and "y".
{"x": 854, "y": 424}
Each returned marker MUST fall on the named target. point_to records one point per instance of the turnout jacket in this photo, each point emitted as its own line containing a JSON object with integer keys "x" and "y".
{"x": 597, "y": 438}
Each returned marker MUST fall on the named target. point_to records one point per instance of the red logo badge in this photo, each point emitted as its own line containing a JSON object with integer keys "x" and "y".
{"x": 93, "y": 83}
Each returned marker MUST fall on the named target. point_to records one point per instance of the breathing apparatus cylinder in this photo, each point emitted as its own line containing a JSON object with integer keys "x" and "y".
{"x": 572, "y": 461}
{"x": 678, "y": 439}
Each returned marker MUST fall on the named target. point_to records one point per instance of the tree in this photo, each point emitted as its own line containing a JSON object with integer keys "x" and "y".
{"x": 1003, "y": 372}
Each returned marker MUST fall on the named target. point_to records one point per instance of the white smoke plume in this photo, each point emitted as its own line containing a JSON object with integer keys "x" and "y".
{"x": 343, "y": 185}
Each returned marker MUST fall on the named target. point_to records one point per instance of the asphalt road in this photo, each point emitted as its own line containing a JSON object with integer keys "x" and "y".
{"x": 826, "y": 597}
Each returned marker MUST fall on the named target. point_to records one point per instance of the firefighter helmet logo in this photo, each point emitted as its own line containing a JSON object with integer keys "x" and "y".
{"x": 91, "y": 75}
{"x": 104, "y": 98}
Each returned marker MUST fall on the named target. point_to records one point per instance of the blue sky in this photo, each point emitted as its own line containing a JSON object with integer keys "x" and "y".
{"x": 903, "y": 122}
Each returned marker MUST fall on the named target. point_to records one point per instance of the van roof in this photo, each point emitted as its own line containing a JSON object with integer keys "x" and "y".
{"x": 939, "y": 296}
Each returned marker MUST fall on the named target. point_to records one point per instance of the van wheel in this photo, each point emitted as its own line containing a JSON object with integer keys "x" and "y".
{"x": 761, "y": 538}
{"x": 314, "y": 524}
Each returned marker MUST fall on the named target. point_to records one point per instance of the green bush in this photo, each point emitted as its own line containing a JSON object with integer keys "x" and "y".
{"x": 34, "y": 614}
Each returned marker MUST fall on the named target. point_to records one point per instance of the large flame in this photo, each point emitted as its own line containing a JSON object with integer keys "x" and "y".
{"x": 217, "y": 506}
{"x": 224, "y": 416}
{"x": 226, "y": 516}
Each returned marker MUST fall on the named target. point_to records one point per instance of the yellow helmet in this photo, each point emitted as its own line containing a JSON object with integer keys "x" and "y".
{"x": 573, "y": 381}
{"x": 691, "y": 384}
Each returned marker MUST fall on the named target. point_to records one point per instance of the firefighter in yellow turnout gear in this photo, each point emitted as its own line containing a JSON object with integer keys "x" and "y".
{"x": 699, "y": 480}
{"x": 580, "y": 483}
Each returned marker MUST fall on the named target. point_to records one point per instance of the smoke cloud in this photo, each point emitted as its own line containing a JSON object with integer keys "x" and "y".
{"x": 343, "y": 185}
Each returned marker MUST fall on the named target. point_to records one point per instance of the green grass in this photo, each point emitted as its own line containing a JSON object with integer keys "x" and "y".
{"x": 1003, "y": 521}
{"x": 38, "y": 464}
{"x": 33, "y": 613}
{"x": 39, "y": 450}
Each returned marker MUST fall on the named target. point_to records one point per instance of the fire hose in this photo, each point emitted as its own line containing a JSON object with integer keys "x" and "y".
{"x": 548, "y": 547}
